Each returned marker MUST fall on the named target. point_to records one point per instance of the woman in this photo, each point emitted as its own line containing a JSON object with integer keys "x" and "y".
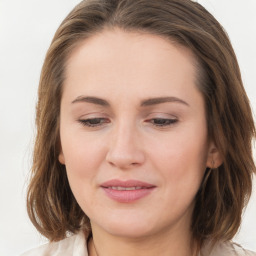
{"x": 144, "y": 134}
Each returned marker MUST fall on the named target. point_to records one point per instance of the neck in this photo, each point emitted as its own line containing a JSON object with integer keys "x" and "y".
{"x": 169, "y": 243}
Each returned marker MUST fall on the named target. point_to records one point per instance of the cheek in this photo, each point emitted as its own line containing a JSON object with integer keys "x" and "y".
{"x": 82, "y": 160}
{"x": 182, "y": 157}
{"x": 182, "y": 167}
{"x": 81, "y": 152}
{"x": 83, "y": 157}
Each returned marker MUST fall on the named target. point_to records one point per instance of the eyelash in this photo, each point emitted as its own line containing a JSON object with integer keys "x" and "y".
{"x": 158, "y": 122}
{"x": 162, "y": 122}
{"x": 93, "y": 122}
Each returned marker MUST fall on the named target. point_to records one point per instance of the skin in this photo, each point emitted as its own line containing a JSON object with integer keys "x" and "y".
{"x": 127, "y": 136}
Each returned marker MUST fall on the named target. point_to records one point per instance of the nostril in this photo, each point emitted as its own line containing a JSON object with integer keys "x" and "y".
{"x": 123, "y": 162}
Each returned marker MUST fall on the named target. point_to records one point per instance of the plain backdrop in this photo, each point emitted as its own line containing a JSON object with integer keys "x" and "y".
{"x": 26, "y": 29}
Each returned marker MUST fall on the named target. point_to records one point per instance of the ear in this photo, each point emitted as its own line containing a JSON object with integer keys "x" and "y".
{"x": 61, "y": 157}
{"x": 214, "y": 158}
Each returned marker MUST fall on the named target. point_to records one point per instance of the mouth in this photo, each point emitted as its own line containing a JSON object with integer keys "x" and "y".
{"x": 125, "y": 188}
{"x": 127, "y": 191}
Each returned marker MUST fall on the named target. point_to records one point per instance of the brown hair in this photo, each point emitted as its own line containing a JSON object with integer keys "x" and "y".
{"x": 225, "y": 190}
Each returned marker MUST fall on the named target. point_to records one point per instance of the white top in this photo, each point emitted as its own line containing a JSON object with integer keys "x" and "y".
{"x": 76, "y": 245}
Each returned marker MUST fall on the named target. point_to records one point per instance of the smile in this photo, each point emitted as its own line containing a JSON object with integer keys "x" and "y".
{"x": 125, "y": 188}
{"x": 127, "y": 191}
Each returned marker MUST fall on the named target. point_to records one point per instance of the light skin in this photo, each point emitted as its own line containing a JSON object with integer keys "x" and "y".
{"x": 131, "y": 110}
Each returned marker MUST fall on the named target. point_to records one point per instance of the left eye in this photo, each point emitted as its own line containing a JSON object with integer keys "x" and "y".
{"x": 94, "y": 122}
{"x": 162, "y": 121}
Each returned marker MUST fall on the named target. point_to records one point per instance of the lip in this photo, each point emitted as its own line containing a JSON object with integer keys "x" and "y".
{"x": 115, "y": 189}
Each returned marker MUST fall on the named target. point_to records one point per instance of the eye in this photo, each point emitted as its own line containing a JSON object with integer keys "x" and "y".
{"x": 94, "y": 122}
{"x": 162, "y": 122}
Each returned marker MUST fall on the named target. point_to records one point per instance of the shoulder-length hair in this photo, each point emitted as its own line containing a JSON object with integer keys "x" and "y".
{"x": 225, "y": 190}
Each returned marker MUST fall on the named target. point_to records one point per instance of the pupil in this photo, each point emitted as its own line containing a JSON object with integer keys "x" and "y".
{"x": 161, "y": 121}
{"x": 95, "y": 121}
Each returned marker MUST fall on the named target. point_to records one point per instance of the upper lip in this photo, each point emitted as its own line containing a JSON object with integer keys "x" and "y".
{"x": 126, "y": 184}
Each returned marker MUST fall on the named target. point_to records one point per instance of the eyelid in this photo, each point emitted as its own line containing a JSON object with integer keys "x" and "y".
{"x": 95, "y": 119}
{"x": 94, "y": 122}
{"x": 162, "y": 115}
{"x": 161, "y": 120}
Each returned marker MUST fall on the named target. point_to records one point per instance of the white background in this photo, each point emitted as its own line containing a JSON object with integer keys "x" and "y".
{"x": 26, "y": 29}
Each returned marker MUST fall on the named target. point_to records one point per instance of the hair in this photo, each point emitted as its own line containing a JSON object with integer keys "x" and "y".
{"x": 225, "y": 190}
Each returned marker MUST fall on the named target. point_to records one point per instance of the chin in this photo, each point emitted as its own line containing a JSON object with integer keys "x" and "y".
{"x": 132, "y": 228}
{"x": 131, "y": 232}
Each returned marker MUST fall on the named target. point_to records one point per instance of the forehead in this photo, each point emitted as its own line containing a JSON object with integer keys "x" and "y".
{"x": 137, "y": 62}
{"x": 122, "y": 45}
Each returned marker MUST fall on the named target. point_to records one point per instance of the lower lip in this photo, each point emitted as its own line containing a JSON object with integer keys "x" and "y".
{"x": 127, "y": 196}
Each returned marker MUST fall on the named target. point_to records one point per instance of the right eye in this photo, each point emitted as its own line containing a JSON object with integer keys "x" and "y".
{"x": 94, "y": 122}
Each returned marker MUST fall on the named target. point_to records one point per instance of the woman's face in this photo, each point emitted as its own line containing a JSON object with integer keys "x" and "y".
{"x": 133, "y": 133}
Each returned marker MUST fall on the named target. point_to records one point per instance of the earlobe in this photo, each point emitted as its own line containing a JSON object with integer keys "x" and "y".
{"x": 214, "y": 159}
{"x": 61, "y": 158}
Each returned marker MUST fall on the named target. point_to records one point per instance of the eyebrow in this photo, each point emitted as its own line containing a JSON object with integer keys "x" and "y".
{"x": 160, "y": 100}
{"x": 90, "y": 99}
{"x": 144, "y": 103}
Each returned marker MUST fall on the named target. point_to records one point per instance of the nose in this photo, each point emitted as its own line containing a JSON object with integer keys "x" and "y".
{"x": 125, "y": 150}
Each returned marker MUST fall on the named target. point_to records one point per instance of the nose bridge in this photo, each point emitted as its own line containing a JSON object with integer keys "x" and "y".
{"x": 124, "y": 134}
{"x": 125, "y": 149}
